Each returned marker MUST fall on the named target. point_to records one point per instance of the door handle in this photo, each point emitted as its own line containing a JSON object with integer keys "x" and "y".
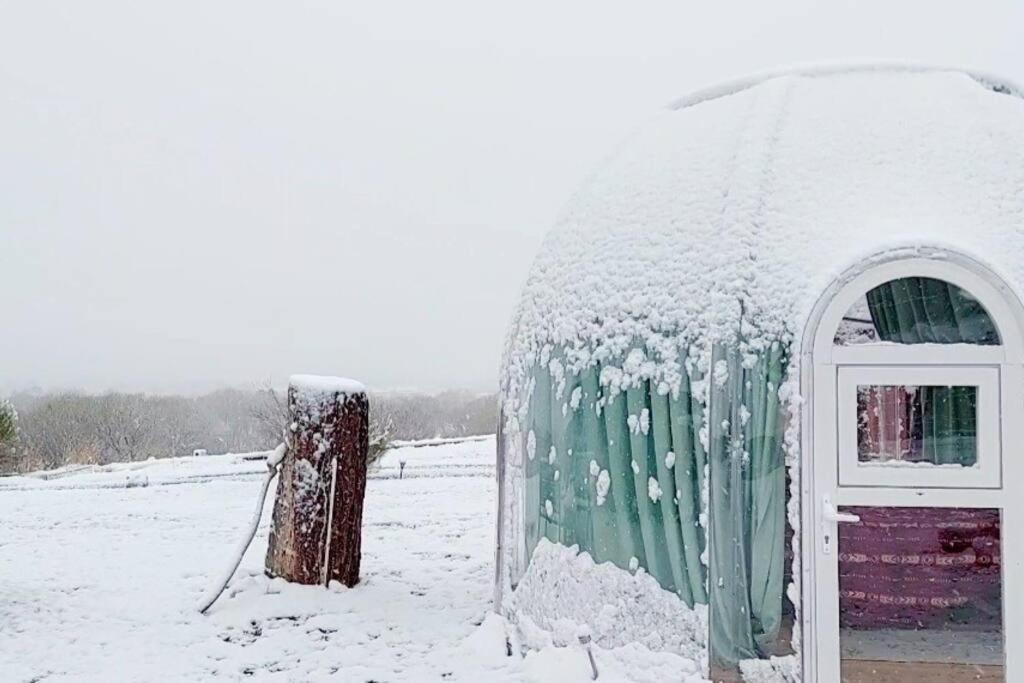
{"x": 830, "y": 514}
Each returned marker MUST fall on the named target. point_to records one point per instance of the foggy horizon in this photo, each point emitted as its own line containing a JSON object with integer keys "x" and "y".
{"x": 281, "y": 387}
{"x": 203, "y": 196}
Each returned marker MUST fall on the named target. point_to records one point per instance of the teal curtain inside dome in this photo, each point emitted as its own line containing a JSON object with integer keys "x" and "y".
{"x": 923, "y": 310}
{"x": 748, "y": 505}
{"x": 622, "y": 474}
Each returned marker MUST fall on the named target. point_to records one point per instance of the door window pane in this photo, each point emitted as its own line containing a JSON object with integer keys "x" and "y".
{"x": 920, "y": 595}
{"x": 914, "y": 425}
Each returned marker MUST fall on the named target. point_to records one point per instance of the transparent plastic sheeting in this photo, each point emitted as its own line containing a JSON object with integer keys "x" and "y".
{"x": 622, "y": 474}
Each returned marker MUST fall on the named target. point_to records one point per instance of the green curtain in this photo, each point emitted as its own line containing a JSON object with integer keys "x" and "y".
{"x": 748, "y": 504}
{"x": 920, "y": 310}
{"x": 621, "y": 474}
{"x": 917, "y": 310}
{"x": 949, "y": 425}
{"x": 618, "y": 473}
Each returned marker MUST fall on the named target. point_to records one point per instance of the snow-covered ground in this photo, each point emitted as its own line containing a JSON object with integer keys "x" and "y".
{"x": 101, "y": 569}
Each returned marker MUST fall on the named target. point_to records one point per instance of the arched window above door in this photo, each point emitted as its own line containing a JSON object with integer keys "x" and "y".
{"x": 917, "y": 310}
{"x": 906, "y": 422}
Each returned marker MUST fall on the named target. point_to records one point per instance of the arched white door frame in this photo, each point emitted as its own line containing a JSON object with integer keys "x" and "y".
{"x": 819, "y": 361}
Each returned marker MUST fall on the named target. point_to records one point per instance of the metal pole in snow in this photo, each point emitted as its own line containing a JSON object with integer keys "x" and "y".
{"x": 584, "y": 636}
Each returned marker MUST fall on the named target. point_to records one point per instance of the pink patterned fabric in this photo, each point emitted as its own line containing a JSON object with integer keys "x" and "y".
{"x": 919, "y": 568}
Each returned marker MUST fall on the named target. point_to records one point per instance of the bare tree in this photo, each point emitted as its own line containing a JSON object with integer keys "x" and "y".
{"x": 271, "y": 414}
{"x": 123, "y": 427}
{"x": 231, "y": 425}
{"x": 178, "y": 427}
{"x": 452, "y": 413}
{"x": 58, "y": 431}
{"x": 381, "y": 427}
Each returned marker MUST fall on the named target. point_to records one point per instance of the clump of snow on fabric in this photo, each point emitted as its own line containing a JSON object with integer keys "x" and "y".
{"x": 575, "y": 398}
{"x": 634, "y": 563}
{"x": 531, "y": 445}
{"x": 562, "y": 583}
{"x": 670, "y": 460}
{"x": 640, "y": 423}
{"x": 721, "y": 375}
{"x": 557, "y": 371}
{"x": 604, "y": 483}
{"x": 653, "y": 489}
{"x": 552, "y": 456}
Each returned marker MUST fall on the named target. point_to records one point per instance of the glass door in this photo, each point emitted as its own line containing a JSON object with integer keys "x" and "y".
{"x": 920, "y": 594}
{"x": 909, "y": 581}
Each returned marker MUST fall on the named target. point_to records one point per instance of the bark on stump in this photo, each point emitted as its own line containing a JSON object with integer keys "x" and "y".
{"x": 316, "y": 534}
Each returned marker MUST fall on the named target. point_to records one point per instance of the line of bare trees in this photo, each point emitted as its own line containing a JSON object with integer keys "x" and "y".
{"x": 44, "y": 431}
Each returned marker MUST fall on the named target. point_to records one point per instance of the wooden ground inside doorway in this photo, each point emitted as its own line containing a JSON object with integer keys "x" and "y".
{"x": 869, "y": 671}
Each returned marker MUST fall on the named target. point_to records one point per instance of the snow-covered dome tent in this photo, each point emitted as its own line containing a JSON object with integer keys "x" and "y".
{"x": 761, "y": 400}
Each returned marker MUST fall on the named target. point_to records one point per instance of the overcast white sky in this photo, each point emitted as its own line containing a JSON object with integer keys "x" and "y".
{"x": 196, "y": 194}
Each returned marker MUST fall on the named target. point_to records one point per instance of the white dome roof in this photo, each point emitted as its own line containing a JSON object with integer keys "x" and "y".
{"x": 734, "y": 210}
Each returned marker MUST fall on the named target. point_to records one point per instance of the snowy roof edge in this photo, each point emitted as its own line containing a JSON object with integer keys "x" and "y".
{"x": 735, "y": 85}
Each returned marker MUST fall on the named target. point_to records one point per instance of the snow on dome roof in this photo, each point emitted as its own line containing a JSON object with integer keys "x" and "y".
{"x": 994, "y": 83}
{"x": 730, "y": 218}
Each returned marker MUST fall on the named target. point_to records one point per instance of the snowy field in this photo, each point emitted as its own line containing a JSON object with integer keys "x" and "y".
{"x": 101, "y": 569}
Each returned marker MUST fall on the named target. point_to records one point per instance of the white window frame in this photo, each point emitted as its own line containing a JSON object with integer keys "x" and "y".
{"x": 985, "y": 473}
{"x": 820, "y": 363}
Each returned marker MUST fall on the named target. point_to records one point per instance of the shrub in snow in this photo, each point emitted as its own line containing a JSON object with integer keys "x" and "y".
{"x": 8, "y": 434}
{"x": 8, "y": 423}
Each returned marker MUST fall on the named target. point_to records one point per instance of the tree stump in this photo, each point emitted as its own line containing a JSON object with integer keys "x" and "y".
{"x": 316, "y": 533}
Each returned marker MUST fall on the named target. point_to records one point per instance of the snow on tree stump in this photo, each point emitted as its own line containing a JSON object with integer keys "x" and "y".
{"x": 316, "y": 533}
